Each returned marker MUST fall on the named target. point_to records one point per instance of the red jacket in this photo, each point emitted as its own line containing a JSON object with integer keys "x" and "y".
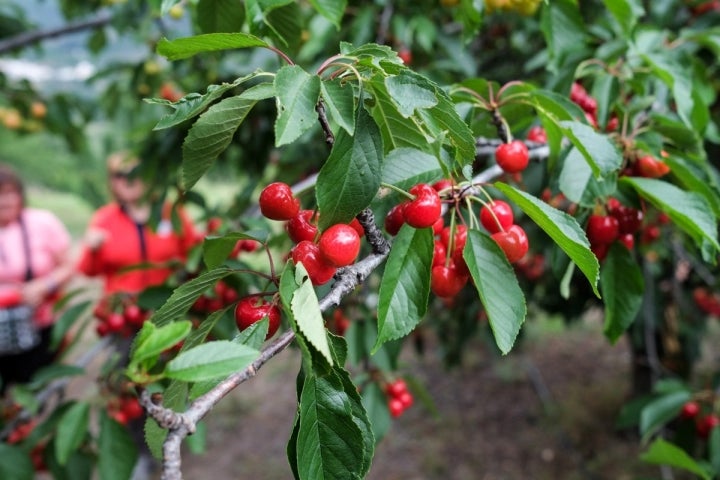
{"x": 129, "y": 244}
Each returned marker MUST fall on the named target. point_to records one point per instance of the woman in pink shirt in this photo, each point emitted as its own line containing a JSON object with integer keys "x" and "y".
{"x": 34, "y": 262}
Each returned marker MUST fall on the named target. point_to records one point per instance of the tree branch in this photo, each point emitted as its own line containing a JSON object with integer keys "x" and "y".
{"x": 29, "y": 38}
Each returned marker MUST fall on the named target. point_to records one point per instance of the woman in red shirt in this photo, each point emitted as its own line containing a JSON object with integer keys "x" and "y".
{"x": 121, "y": 246}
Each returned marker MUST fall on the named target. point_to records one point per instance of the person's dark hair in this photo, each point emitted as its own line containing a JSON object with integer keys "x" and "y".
{"x": 8, "y": 176}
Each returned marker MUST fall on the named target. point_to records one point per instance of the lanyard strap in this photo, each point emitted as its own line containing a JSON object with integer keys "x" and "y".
{"x": 26, "y": 249}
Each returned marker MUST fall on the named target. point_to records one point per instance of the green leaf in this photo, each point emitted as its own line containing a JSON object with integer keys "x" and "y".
{"x": 714, "y": 449}
{"x": 297, "y": 94}
{"x": 601, "y": 154}
{"x": 210, "y": 360}
{"x": 339, "y": 99}
{"x": 688, "y": 210}
{"x": 497, "y": 286}
{"x": 561, "y": 227}
{"x": 307, "y": 314}
{"x": 622, "y": 286}
{"x": 117, "y": 451}
{"x": 677, "y": 76}
{"x": 411, "y": 91}
{"x": 217, "y": 249}
{"x": 626, "y": 13}
{"x": 210, "y": 135}
{"x": 578, "y": 184}
{"x": 65, "y": 322}
{"x": 332, "y": 444}
{"x": 660, "y": 411}
{"x": 564, "y": 31}
{"x": 254, "y": 335}
{"x": 212, "y": 42}
{"x": 192, "y": 105}
{"x": 696, "y": 178}
{"x": 333, "y": 10}
{"x": 219, "y": 16}
{"x": 405, "y": 285}
{"x": 15, "y": 463}
{"x": 71, "y": 431}
{"x": 153, "y": 340}
{"x": 375, "y": 403}
{"x": 350, "y": 178}
{"x": 662, "y": 452}
{"x": 185, "y": 295}
{"x": 405, "y": 167}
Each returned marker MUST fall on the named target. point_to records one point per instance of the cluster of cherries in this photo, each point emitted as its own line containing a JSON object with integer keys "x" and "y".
{"x": 399, "y": 397}
{"x": 707, "y": 301}
{"x": 321, "y": 253}
{"x": 125, "y": 408}
{"x": 619, "y": 224}
{"x": 704, "y": 424}
{"x": 449, "y": 270}
{"x": 221, "y": 296}
{"x": 125, "y": 318}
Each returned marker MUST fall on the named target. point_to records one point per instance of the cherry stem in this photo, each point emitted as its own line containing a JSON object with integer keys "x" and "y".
{"x": 273, "y": 274}
{"x": 476, "y": 96}
{"x": 322, "y": 117}
{"x": 398, "y": 190}
{"x": 473, "y": 220}
{"x": 501, "y": 126}
{"x": 281, "y": 54}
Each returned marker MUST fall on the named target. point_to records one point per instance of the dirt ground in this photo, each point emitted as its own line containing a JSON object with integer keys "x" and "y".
{"x": 546, "y": 411}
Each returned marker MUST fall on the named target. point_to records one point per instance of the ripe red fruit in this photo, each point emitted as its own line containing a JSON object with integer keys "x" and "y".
{"x": 213, "y": 224}
{"x": 300, "y": 228}
{"x": 250, "y": 310}
{"x": 502, "y": 219}
{"x": 602, "y": 229}
{"x": 690, "y": 410}
{"x": 459, "y": 239}
{"x": 132, "y": 408}
{"x": 512, "y": 157}
{"x": 277, "y": 202}
{"x": 706, "y": 424}
{"x": 319, "y": 271}
{"x": 600, "y": 250}
{"x": 133, "y": 315}
{"x": 396, "y": 407}
{"x": 357, "y": 226}
{"x": 396, "y": 388}
{"x": 406, "y": 399}
{"x": 513, "y": 242}
{"x": 425, "y": 209}
{"x": 648, "y": 167}
{"x": 628, "y": 240}
{"x": 115, "y": 322}
{"x": 537, "y": 134}
{"x": 629, "y": 219}
{"x": 443, "y": 184}
{"x": 395, "y": 218}
{"x": 438, "y": 226}
{"x": 405, "y": 55}
{"x": 439, "y": 253}
{"x": 339, "y": 245}
{"x": 446, "y": 281}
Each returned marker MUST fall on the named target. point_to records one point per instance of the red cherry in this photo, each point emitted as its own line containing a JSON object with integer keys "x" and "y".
{"x": 690, "y": 410}
{"x": 602, "y": 229}
{"x": 629, "y": 219}
{"x": 213, "y": 224}
{"x": 502, "y": 219}
{"x": 446, "y": 281}
{"x": 459, "y": 240}
{"x": 650, "y": 234}
{"x": 132, "y": 408}
{"x": 247, "y": 245}
{"x": 133, "y": 315}
{"x": 300, "y": 228}
{"x": 577, "y": 92}
{"x": 706, "y": 424}
{"x": 340, "y": 322}
{"x": 396, "y": 388}
{"x": 120, "y": 417}
{"x": 405, "y": 55}
{"x": 319, "y": 271}
{"x": 647, "y": 166}
{"x": 396, "y": 407}
{"x": 438, "y": 226}
{"x": 425, "y": 209}
{"x": 214, "y": 304}
{"x": 600, "y": 250}
{"x": 339, "y": 245}
{"x": 612, "y": 124}
{"x": 277, "y": 202}
{"x": 439, "y": 253}
{"x": 115, "y": 322}
{"x": 512, "y": 157}
{"x": 444, "y": 184}
{"x": 513, "y": 242}
{"x": 250, "y": 310}
{"x": 406, "y": 399}
{"x": 395, "y": 218}
{"x": 101, "y": 329}
{"x": 537, "y": 134}
{"x": 628, "y": 240}
{"x": 358, "y": 227}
